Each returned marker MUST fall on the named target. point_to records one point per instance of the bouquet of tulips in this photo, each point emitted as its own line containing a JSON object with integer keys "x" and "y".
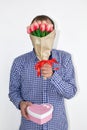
{"x": 42, "y": 42}
{"x": 40, "y": 29}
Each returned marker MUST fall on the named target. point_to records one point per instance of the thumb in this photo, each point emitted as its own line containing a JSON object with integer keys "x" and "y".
{"x": 29, "y": 103}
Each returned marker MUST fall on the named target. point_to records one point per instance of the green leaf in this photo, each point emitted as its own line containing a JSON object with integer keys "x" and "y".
{"x": 33, "y": 33}
{"x": 47, "y": 33}
{"x": 43, "y": 33}
{"x": 38, "y": 33}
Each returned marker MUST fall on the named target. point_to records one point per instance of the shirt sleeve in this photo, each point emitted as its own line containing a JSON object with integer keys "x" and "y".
{"x": 65, "y": 85}
{"x": 15, "y": 84}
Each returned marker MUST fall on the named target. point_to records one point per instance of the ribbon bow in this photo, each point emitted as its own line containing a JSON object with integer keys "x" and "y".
{"x": 41, "y": 63}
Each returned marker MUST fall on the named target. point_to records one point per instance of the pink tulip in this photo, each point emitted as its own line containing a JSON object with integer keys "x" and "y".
{"x": 28, "y": 29}
{"x": 39, "y": 22}
{"x": 49, "y": 27}
{"x": 44, "y": 22}
{"x": 32, "y": 27}
{"x": 42, "y": 27}
{"x": 36, "y": 25}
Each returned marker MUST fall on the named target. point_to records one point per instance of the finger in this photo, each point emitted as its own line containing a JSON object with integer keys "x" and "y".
{"x": 29, "y": 103}
{"x": 46, "y": 71}
{"x": 27, "y": 115}
{"x": 47, "y": 75}
{"x": 44, "y": 75}
{"x": 24, "y": 113}
{"x": 47, "y": 65}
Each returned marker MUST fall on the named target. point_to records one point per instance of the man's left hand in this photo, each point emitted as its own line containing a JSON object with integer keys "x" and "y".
{"x": 46, "y": 71}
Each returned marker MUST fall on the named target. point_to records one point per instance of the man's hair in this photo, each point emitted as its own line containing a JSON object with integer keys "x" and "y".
{"x": 43, "y": 17}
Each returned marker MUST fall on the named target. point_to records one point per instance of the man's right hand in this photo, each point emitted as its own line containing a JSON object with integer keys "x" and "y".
{"x": 23, "y": 108}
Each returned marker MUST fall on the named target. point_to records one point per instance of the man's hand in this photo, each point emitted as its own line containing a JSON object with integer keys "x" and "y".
{"x": 23, "y": 107}
{"x": 46, "y": 71}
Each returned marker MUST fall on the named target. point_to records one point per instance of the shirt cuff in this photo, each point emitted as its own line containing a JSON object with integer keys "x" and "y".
{"x": 55, "y": 78}
{"x": 17, "y": 103}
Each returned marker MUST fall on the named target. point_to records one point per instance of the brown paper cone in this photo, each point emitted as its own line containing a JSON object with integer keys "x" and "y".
{"x": 43, "y": 45}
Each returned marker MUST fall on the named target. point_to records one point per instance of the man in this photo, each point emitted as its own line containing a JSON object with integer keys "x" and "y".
{"x": 26, "y": 88}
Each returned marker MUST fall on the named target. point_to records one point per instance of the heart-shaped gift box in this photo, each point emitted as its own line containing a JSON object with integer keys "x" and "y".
{"x": 40, "y": 114}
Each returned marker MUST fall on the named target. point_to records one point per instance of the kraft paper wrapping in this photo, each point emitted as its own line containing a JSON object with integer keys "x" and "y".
{"x": 43, "y": 45}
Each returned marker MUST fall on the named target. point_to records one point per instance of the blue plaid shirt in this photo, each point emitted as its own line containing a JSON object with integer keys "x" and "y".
{"x": 25, "y": 85}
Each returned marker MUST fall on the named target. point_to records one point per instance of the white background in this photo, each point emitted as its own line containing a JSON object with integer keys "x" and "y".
{"x": 70, "y": 17}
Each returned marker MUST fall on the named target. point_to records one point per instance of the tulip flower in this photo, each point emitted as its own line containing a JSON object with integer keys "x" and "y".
{"x": 39, "y": 22}
{"x": 28, "y": 29}
{"x": 49, "y": 28}
{"x": 40, "y": 28}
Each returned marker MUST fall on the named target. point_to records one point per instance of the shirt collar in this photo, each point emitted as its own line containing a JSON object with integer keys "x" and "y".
{"x": 34, "y": 55}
